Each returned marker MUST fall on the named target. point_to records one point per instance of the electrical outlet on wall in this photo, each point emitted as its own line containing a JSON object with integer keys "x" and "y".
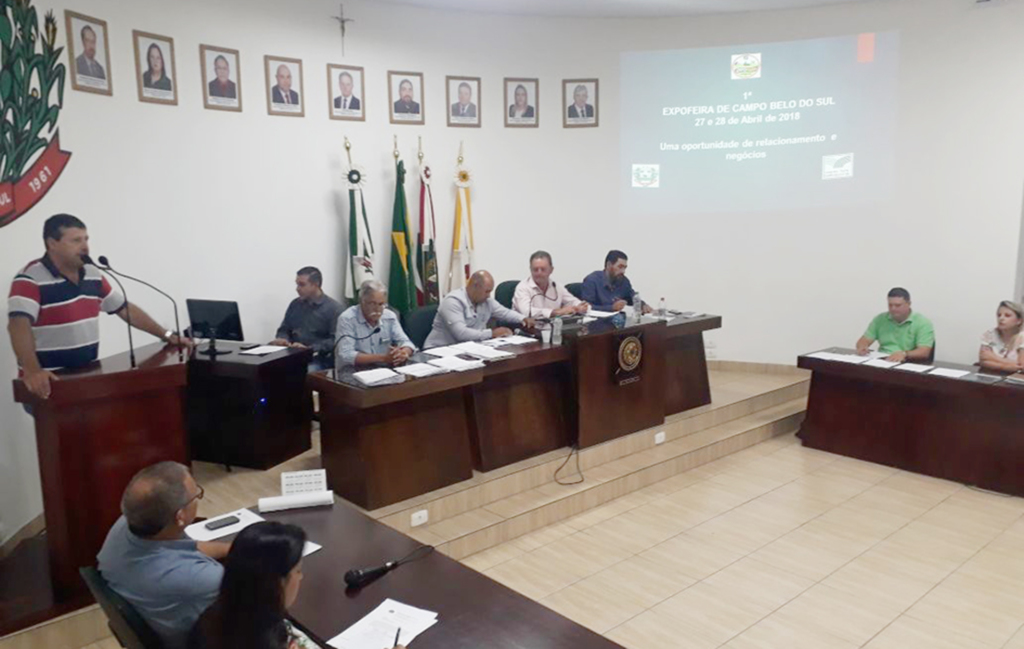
{"x": 420, "y": 518}
{"x": 659, "y": 437}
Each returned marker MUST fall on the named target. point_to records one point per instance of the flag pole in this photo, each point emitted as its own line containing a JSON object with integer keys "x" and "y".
{"x": 455, "y": 232}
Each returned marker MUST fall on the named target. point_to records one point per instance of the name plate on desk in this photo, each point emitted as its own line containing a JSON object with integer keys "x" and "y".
{"x": 629, "y": 358}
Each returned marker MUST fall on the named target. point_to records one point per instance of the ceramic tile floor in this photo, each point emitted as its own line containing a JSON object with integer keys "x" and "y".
{"x": 784, "y": 547}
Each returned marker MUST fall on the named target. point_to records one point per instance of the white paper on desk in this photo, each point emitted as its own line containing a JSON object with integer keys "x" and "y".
{"x": 378, "y": 628}
{"x": 509, "y": 340}
{"x": 914, "y": 367}
{"x": 878, "y": 362}
{"x": 456, "y": 364}
{"x": 372, "y": 377}
{"x": 839, "y": 358}
{"x": 420, "y": 370}
{"x": 948, "y": 373}
{"x": 594, "y": 313}
{"x": 298, "y": 482}
{"x": 310, "y": 548}
{"x": 198, "y": 531}
{"x": 263, "y": 350}
{"x": 296, "y": 501}
{"x": 482, "y": 351}
{"x": 442, "y": 352}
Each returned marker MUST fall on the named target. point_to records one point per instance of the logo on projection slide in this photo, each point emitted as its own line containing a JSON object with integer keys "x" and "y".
{"x": 837, "y": 166}
{"x": 648, "y": 176}
{"x": 31, "y": 96}
{"x": 746, "y": 66}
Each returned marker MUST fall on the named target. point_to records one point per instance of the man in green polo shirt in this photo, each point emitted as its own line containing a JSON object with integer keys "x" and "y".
{"x": 901, "y": 333}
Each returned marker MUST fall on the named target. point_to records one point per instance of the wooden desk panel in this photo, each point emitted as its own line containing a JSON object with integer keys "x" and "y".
{"x": 474, "y": 612}
{"x": 954, "y": 429}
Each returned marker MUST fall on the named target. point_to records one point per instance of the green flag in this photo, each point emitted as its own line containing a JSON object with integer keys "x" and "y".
{"x": 401, "y": 290}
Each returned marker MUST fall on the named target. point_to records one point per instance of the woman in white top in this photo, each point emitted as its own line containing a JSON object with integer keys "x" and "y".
{"x": 1002, "y": 348}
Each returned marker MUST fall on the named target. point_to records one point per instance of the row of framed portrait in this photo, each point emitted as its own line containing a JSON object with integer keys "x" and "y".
{"x": 156, "y": 76}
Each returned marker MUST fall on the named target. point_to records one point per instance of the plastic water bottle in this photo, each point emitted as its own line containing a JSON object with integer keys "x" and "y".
{"x": 661, "y": 308}
{"x": 638, "y": 307}
{"x": 556, "y": 332}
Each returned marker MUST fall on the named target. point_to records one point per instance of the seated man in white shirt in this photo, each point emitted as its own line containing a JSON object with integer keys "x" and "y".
{"x": 463, "y": 315}
{"x": 540, "y": 296}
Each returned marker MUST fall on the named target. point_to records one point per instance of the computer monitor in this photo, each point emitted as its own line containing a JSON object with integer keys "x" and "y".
{"x": 215, "y": 320}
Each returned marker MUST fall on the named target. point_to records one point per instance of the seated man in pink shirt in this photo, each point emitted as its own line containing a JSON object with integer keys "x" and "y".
{"x": 541, "y": 297}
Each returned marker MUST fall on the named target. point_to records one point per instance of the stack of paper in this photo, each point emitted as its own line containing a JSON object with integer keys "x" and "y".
{"x": 456, "y": 364}
{"x": 442, "y": 351}
{"x": 1015, "y": 378}
{"x": 263, "y": 350}
{"x": 481, "y": 351}
{"x": 839, "y": 358}
{"x": 949, "y": 374}
{"x": 378, "y": 628}
{"x": 914, "y": 367}
{"x": 508, "y": 340}
{"x": 594, "y": 313}
{"x": 378, "y": 376}
{"x": 420, "y": 370}
{"x": 878, "y": 362}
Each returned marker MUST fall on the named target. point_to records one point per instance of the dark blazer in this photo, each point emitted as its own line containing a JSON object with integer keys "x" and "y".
{"x": 407, "y": 107}
{"x": 87, "y": 68}
{"x": 163, "y": 84}
{"x": 278, "y": 98}
{"x": 228, "y": 92}
{"x": 588, "y": 109}
{"x": 527, "y": 113}
{"x": 353, "y": 102}
{"x": 470, "y": 110}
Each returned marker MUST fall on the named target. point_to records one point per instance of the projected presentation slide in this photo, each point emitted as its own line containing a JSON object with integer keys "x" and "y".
{"x": 791, "y": 125}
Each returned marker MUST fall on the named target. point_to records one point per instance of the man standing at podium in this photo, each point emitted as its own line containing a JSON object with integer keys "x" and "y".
{"x": 54, "y": 306}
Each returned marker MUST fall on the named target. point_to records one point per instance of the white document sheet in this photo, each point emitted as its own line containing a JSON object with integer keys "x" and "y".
{"x": 855, "y": 359}
{"x": 594, "y": 313}
{"x": 442, "y": 352}
{"x": 198, "y": 531}
{"x": 456, "y": 364}
{"x": 878, "y": 362}
{"x": 375, "y": 376}
{"x": 914, "y": 367}
{"x": 378, "y": 628}
{"x": 949, "y": 374}
{"x": 298, "y": 482}
{"x": 420, "y": 370}
{"x": 482, "y": 351}
{"x": 263, "y": 350}
{"x": 508, "y": 340}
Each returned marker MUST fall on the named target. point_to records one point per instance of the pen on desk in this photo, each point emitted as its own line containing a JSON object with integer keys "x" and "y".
{"x": 397, "y": 633}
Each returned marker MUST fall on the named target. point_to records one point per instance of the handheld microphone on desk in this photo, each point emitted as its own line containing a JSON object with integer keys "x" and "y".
{"x": 105, "y": 265}
{"x": 334, "y": 352}
{"x": 127, "y": 311}
{"x": 359, "y": 577}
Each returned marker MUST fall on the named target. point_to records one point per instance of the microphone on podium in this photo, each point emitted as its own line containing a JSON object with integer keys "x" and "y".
{"x": 127, "y": 312}
{"x": 105, "y": 265}
{"x": 334, "y": 352}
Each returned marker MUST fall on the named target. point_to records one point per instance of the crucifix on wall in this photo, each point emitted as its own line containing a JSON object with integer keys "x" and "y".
{"x": 343, "y": 21}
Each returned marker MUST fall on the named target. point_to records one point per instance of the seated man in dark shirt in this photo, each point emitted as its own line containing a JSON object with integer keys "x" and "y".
{"x": 609, "y": 289}
{"x": 310, "y": 320}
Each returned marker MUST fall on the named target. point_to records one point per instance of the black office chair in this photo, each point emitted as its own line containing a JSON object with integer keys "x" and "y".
{"x": 417, "y": 323}
{"x": 505, "y": 292}
{"x": 124, "y": 621}
{"x": 576, "y": 288}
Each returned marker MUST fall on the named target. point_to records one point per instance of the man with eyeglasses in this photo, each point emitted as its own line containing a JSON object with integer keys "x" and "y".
{"x": 147, "y": 559}
{"x": 370, "y": 334}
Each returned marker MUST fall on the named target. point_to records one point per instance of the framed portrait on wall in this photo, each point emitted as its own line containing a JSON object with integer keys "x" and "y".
{"x": 463, "y": 100}
{"x": 405, "y": 97}
{"x": 579, "y": 103}
{"x": 522, "y": 102}
{"x": 346, "y": 92}
{"x": 285, "y": 94}
{"x": 222, "y": 78}
{"x": 154, "y": 68}
{"x": 89, "y": 53}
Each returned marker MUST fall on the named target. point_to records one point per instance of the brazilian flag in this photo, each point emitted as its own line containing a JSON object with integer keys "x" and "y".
{"x": 401, "y": 288}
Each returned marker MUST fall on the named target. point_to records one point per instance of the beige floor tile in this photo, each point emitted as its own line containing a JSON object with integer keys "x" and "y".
{"x": 639, "y": 529}
{"x": 491, "y": 557}
{"x": 907, "y": 633}
{"x": 876, "y": 577}
{"x": 1016, "y": 642}
{"x": 696, "y": 557}
{"x": 776, "y": 633}
{"x": 759, "y": 582}
{"x": 711, "y": 613}
{"x": 608, "y": 510}
{"x": 966, "y": 616}
{"x": 653, "y": 630}
{"x": 582, "y": 554}
{"x": 594, "y": 604}
{"x": 533, "y": 576}
{"x": 543, "y": 536}
{"x": 471, "y": 521}
{"x": 642, "y": 581}
{"x": 838, "y": 613}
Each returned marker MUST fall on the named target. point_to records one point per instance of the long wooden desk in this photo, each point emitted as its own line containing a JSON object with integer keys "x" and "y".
{"x": 968, "y": 430}
{"x": 385, "y": 444}
{"x": 474, "y": 611}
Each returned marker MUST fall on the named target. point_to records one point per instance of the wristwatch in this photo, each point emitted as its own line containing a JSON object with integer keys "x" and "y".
{"x": 167, "y": 336}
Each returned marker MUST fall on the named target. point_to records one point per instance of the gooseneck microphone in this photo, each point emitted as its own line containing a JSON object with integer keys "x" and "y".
{"x": 359, "y": 577}
{"x": 127, "y": 310}
{"x": 105, "y": 265}
{"x": 334, "y": 352}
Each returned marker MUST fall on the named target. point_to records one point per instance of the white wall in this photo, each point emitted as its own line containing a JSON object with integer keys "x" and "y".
{"x": 225, "y": 205}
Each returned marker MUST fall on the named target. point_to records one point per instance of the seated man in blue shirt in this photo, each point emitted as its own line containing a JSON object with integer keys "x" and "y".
{"x": 310, "y": 319}
{"x": 357, "y": 342}
{"x": 147, "y": 559}
{"x": 609, "y": 289}
{"x": 464, "y": 315}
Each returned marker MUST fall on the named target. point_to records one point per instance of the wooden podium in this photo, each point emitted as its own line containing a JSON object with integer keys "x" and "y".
{"x": 101, "y": 425}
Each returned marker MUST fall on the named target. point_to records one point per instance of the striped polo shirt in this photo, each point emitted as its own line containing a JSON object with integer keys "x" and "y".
{"x": 64, "y": 315}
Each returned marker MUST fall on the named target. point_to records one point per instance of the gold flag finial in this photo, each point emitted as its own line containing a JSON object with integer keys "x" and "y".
{"x": 419, "y": 152}
{"x": 396, "y": 148}
{"x": 348, "y": 150}
{"x": 460, "y": 152}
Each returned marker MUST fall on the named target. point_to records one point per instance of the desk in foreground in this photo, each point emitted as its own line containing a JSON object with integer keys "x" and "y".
{"x": 474, "y": 612}
{"x": 956, "y": 429}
